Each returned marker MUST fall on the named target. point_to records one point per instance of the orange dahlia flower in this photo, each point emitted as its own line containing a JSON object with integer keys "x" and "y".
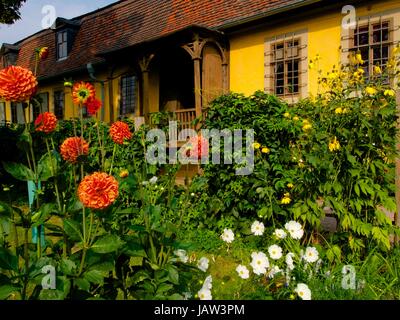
{"x": 74, "y": 147}
{"x": 82, "y": 91}
{"x": 119, "y": 131}
{"x": 17, "y": 84}
{"x": 46, "y": 122}
{"x": 196, "y": 148}
{"x": 93, "y": 105}
{"x": 98, "y": 191}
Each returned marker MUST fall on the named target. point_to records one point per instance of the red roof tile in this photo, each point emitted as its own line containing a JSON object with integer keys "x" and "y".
{"x": 130, "y": 22}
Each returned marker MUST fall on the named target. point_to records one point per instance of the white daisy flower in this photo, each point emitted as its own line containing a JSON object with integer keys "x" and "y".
{"x": 303, "y": 291}
{"x": 311, "y": 255}
{"x": 260, "y": 263}
{"x": 289, "y": 260}
{"x": 186, "y": 295}
{"x": 273, "y": 271}
{"x": 243, "y": 272}
{"x": 182, "y": 255}
{"x": 275, "y": 252}
{"x": 204, "y": 294}
{"x": 203, "y": 264}
{"x": 208, "y": 283}
{"x": 257, "y": 228}
{"x": 153, "y": 180}
{"x": 295, "y": 229}
{"x": 280, "y": 234}
{"x": 228, "y": 236}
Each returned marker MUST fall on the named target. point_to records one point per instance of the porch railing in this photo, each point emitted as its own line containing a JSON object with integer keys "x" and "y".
{"x": 184, "y": 117}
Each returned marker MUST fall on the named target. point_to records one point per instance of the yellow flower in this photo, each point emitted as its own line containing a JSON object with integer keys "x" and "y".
{"x": 334, "y": 145}
{"x": 124, "y": 174}
{"x": 265, "y": 150}
{"x": 256, "y": 145}
{"x": 371, "y": 91}
{"x": 338, "y": 110}
{"x": 345, "y": 110}
{"x": 286, "y": 115}
{"x": 301, "y": 164}
{"x": 359, "y": 58}
{"x": 307, "y": 127}
{"x": 311, "y": 65}
{"x": 360, "y": 71}
{"x": 396, "y": 50}
{"x": 296, "y": 118}
{"x": 290, "y": 185}
{"x": 286, "y": 199}
{"x": 389, "y": 93}
{"x": 377, "y": 70}
{"x": 333, "y": 75}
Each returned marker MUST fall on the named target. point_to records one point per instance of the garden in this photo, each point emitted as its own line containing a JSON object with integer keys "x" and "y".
{"x": 84, "y": 215}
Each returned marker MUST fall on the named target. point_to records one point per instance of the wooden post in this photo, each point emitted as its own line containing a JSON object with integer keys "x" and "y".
{"x": 197, "y": 86}
{"x": 195, "y": 50}
{"x": 144, "y": 64}
{"x": 397, "y": 213}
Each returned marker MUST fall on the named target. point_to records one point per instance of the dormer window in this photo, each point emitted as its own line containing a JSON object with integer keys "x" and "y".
{"x": 65, "y": 32}
{"x": 62, "y": 45}
{"x": 9, "y": 55}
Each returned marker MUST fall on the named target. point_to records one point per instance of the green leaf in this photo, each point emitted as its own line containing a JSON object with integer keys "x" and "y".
{"x": 7, "y": 260}
{"x": 19, "y": 171}
{"x": 107, "y": 244}
{"x": 24, "y": 140}
{"x": 7, "y": 290}
{"x": 5, "y": 209}
{"x": 82, "y": 284}
{"x": 94, "y": 276}
{"x": 173, "y": 274}
{"x": 43, "y": 214}
{"x": 73, "y": 229}
{"x": 47, "y": 167}
{"x": 67, "y": 267}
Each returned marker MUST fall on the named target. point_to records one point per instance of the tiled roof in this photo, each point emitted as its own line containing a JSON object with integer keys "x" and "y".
{"x": 130, "y": 22}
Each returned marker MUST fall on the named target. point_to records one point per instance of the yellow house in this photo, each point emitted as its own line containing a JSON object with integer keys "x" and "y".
{"x": 177, "y": 55}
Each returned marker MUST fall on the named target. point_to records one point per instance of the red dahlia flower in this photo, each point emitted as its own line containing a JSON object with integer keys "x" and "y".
{"x": 46, "y": 122}
{"x": 93, "y": 105}
{"x": 74, "y": 147}
{"x": 119, "y": 132}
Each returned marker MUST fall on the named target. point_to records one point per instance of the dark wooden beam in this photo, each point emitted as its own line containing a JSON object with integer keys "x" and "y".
{"x": 144, "y": 64}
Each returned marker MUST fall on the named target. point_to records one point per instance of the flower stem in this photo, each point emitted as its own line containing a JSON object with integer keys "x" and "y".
{"x": 113, "y": 158}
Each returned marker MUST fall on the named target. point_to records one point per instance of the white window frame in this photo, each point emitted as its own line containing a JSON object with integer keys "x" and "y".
{"x": 269, "y": 73}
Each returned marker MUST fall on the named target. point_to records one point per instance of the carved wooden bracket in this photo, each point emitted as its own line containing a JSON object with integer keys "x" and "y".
{"x": 144, "y": 62}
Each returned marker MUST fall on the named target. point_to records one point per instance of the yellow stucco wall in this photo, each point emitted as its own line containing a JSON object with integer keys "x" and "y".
{"x": 324, "y": 38}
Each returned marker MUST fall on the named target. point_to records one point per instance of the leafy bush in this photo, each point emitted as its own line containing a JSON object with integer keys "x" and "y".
{"x": 333, "y": 152}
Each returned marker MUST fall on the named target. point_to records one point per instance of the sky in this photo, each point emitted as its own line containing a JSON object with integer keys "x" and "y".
{"x": 32, "y": 17}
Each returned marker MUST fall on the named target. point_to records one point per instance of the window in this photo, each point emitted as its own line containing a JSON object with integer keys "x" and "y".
{"x": 40, "y": 104}
{"x": 373, "y": 37}
{"x": 373, "y": 41}
{"x": 128, "y": 95}
{"x": 17, "y": 113}
{"x": 10, "y": 59}
{"x": 286, "y": 65}
{"x": 2, "y": 113}
{"x": 59, "y": 104}
{"x": 62, "y": 45}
